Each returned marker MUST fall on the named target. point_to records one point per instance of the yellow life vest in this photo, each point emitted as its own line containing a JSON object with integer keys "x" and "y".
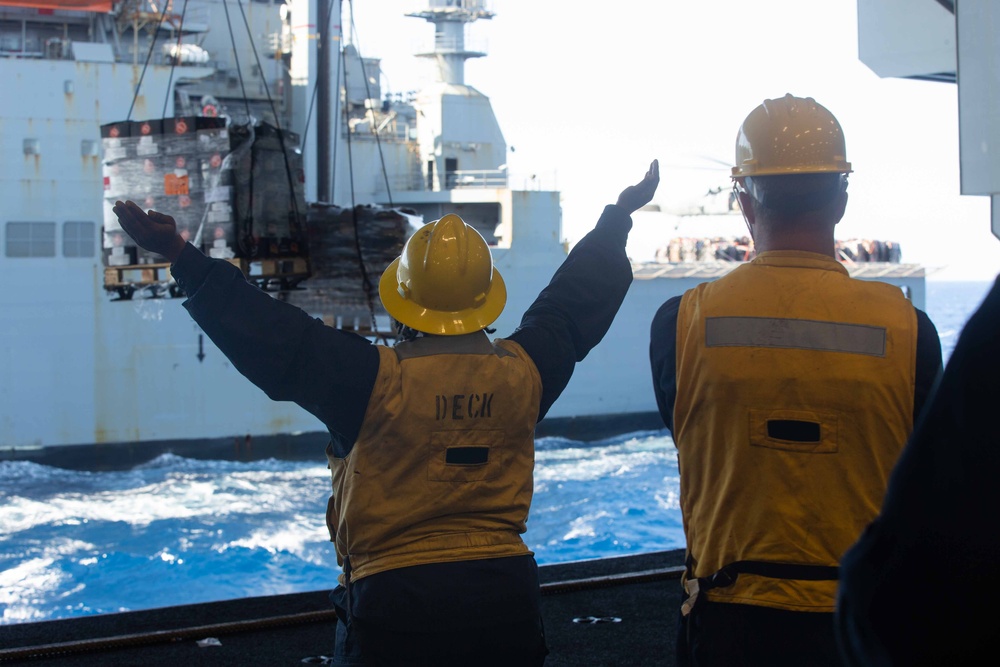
{"x": 442, "y": 467}
{"x": 794, "y": 399}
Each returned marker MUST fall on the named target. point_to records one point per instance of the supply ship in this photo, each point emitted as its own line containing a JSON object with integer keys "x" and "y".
{"x": 261, "y": 128}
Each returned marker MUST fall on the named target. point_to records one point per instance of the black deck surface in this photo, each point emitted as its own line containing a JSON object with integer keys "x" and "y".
{"x": 643, "y": 591}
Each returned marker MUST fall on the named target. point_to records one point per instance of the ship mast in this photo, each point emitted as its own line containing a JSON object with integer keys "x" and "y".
{"x": 315, "y": 32}
{"x": 450, "y": 18}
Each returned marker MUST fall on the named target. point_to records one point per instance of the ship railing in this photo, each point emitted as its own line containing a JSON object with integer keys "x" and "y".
{"x": 361, "y": 130}
{"x": 446, "y": 44}
{"x": 533, "y": 181}
{"x": 468, "y": 5}
{"x": 475, "y": 8}
{"x": 415, "y": 181}
{"x": 476, "y": 178}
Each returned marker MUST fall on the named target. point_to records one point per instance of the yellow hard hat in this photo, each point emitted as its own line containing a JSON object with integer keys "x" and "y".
{"x": 790, "y": 135}
{"x": 444, "y": 281}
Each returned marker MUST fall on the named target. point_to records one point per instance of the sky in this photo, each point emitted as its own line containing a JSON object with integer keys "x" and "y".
{"x": 587, "y": 94}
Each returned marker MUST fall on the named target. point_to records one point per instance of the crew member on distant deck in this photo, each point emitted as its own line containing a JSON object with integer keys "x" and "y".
{"x": 431, "y": 440}
{"x": 789, "y": 389}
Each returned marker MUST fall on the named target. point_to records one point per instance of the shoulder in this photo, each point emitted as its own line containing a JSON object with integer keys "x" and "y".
{"x": 669, "y": 308}
{"x": 665, "y": 319}
{"x": 928, "y": 340}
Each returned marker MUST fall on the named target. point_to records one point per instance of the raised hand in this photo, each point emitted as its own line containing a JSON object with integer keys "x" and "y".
{"x": 154, "y": 231}
{"x": 636, "y": 196}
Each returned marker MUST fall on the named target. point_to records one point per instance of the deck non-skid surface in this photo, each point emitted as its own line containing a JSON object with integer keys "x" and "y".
{"x": 606, "y": 590}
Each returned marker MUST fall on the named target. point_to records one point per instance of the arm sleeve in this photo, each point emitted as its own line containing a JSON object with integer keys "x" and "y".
{"x": 576, "y": 309}
{"x": 928, "y": 362}
{"x": 663, "y": 359}
{"x": 281, "y": 349}
{"x": 912, "y": 586}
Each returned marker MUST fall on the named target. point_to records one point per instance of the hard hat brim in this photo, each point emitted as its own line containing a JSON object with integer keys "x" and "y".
{"x": 753, "y": 170}
{"x": 439, "y": 322}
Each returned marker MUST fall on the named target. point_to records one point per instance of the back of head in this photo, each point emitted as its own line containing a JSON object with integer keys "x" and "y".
{"x": 444, "y": 282}
{"x": 791, "y": 158}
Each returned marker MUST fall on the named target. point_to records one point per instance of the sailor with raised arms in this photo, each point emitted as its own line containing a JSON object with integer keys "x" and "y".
{"x": 431, "y": 441}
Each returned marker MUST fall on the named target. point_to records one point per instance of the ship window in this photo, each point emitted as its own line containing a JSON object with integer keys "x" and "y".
{"x": 31, "y": 239}
{"x": 78, "y": 239}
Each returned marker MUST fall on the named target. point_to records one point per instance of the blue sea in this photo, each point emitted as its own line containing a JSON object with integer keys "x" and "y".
{"x": 179, "y": 531}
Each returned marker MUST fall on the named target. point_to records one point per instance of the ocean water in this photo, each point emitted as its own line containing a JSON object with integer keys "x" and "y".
{"x": 179, "y": 531}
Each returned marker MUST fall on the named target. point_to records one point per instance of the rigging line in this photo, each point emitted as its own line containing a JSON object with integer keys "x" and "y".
{"x": 368, "y": 94}
{"x": 247, "y": 235}
{"x": 236, "y": 57}
{"x": 174, "y": 60}
{"x": 312, "y": 105}
{"x": 366, "y": 282}
{"x": 152, "y": 45}
{"x": 334, "y": 133}
{"x": 277, "y": 120}
{"x": 336, "y": 118}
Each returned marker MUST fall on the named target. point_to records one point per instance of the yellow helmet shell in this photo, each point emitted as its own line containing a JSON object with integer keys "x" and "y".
{"x": 790, "y": 135}
{"x": 444, "y": 281}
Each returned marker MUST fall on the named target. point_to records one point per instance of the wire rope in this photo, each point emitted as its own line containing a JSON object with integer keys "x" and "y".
{"x": 277, "y": 121}
{"x": 368, "y": 94}
{"x": 174, "y": 60}
{"x": 149, "y": 54}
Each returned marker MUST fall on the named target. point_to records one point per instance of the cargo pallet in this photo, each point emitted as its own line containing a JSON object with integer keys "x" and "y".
{"x": 127, "y": 280}
{"x": 281, "y": 273}
{"x": 285, "y": 273}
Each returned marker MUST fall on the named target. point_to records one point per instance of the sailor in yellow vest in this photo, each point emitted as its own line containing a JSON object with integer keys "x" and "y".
{"x": 431, "y": 441}
{"x": 790, "y": 389}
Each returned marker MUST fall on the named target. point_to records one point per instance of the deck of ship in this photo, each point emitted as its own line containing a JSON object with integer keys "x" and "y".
{"x": 642, "y": 591}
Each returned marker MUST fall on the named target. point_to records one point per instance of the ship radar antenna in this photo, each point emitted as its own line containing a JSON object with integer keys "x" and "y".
{"x": 450, "y": 18}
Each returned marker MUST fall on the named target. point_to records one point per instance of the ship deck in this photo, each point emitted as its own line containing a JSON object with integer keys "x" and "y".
{"x": 643, "y": 591}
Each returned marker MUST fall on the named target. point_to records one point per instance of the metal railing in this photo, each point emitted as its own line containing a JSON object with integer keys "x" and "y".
{"x": 477, "y": 178}
{"x": 473, "y": 179}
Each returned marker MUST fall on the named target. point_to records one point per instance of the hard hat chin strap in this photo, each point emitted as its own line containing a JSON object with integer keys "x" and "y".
{"x": 738, "y": 190}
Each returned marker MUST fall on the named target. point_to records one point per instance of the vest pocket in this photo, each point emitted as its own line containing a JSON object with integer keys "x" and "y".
{"x": 465, "y": 456}
{"x": 807, "y": 431}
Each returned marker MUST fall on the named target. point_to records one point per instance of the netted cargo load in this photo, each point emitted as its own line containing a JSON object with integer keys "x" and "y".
{"x": 337, "y": 292}
{"x": 175, "y": 166}
{"x": 235, "y": 191}
{"x": 269, "y": 206}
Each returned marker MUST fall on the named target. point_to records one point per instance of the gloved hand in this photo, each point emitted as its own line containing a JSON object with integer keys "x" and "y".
{"x": 155, "y": 232}
{"x": 636, "y": 196}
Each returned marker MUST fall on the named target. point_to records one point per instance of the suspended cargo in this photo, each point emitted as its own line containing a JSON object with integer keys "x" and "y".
{"x": 235, "y": 191}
